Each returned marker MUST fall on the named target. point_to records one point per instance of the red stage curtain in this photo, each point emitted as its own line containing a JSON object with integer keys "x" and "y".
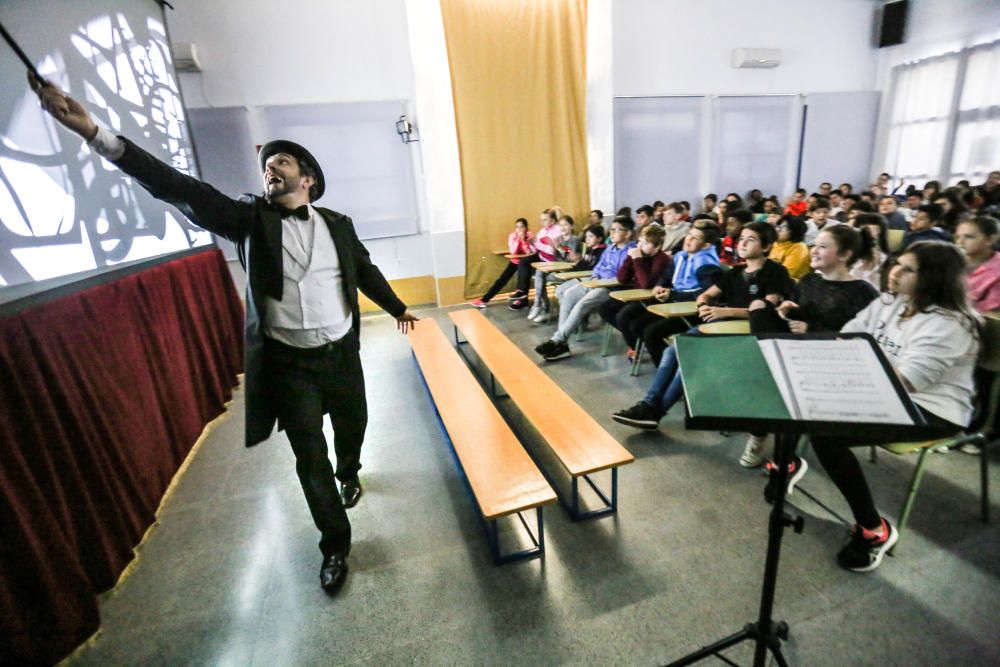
{"x": 104, "y": 393}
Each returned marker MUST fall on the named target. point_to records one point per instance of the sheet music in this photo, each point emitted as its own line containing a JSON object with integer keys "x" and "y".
{"x": 833, "y": 380}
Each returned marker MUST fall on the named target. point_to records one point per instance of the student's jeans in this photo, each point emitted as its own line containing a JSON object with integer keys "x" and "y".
{"x": 575, "y": 304}
{"x": 667, "y": 387}
{"x": 541, "y": 295}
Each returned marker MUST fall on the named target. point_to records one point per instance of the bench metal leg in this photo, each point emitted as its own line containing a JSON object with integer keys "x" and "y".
{"x": 536, "y": 551}
{"x": 610, "y": 505}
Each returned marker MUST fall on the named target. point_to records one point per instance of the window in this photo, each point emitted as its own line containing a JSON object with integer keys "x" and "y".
{"x": 945, "y": 117}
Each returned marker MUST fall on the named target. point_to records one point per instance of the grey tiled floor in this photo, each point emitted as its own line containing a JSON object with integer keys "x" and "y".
{"x": 229, "y": 576}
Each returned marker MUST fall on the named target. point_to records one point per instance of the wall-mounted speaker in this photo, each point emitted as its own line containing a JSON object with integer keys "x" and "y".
{"x": 891, "y": 23}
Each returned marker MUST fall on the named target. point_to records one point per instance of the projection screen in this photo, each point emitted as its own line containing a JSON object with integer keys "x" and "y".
{"x": 63, "y": 209}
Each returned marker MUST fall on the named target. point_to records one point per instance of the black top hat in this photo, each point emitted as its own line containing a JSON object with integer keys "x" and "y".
{"x": 299, "y": 153}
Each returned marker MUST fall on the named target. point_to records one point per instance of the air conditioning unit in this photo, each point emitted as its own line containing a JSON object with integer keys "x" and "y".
{"x": 186, "y": 57}
{"x": 756, "y": 58}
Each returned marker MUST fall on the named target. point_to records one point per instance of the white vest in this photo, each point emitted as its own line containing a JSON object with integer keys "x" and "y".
{"x": 312, "y": 310}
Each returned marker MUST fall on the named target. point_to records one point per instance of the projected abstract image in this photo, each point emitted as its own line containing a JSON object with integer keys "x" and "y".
{"x": 63, "y": 208}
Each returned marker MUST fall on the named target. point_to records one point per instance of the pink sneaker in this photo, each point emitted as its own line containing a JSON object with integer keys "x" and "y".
{"x": 478, "y": 303}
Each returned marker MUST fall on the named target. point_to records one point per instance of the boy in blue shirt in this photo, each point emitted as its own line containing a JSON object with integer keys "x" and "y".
{"x": 580, "y": 301}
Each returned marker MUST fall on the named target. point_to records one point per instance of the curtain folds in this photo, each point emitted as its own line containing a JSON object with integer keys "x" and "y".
{"x": 518, "y": 71}
{"x": 104, "y": 393}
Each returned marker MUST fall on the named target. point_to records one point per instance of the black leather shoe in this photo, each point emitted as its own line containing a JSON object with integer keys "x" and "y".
{"x": 350, "y": 493}
{"x": 333, "y": 572}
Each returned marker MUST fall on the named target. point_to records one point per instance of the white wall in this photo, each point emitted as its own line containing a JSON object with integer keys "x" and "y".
{"x": 255, "y": 53}
{"x": 680, "y": 47}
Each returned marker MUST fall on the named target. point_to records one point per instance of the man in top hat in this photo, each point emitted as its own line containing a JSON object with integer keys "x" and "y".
{"x": 304, "y": 266}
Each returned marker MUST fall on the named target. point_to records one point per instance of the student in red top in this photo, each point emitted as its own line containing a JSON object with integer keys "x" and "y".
{"x": 797, "y": 204}
{"x": 976, "y": 237}
{"x": 520, "y": 245}
{"x": 735, "y": 220}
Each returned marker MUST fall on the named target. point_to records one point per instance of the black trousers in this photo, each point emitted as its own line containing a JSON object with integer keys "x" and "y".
{"x": 523, "y": 271}
{"x": 629, "y": 318}
{"x": 840, "y": 463}
{"x": 308, "y": 384}
{"x": 659, "y": 328}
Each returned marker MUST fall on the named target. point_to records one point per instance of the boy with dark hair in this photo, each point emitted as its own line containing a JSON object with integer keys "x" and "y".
{"x": 797, "y": 204}
{"x": 734, "y": 227}
{"x": 925, "y": 226}
{"x": 819, "y": 217}
{"x": 643, "y": 216}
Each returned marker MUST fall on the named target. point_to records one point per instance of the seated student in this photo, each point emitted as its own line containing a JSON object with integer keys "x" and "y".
{"x": 931, "y": 190}
{"x": 578, "y": 301}
{"x": 596, "y": 217}
{"x": 643, "y": 216}
{"x": 674, "y": 228}
{"x": 914, "y": 198}
{"x": 566, "y": 244}
{"x": 755, "y": 201}
{"x": 925, "y": 226}
{"x": 976, "y": 238}
{"x": 819, "y": 218}
{"x": 545, "y": 245}
{"x": 823, "y": 301}
{"x": 708, "y": 203}
{"x": 954, "y": 209}
{"x": 790, "y": 251}
{"x": 520, "y": 243}
{"x": 869, "y": 266}
{"x": 686, "y": 215}
{"x": 758, "y": 278}
{"x": 696, "y": 268}
{"x": 590, "y": 251}
{"x": 889, "y": 208}
{"x": 827, "y": 298}
{"x": 797, "y": 204}
{"x": 658, "y": 208}
{"x": 642, "y": 269}
{"x": 735, "y": 220}
{"x": 930, "y": 334}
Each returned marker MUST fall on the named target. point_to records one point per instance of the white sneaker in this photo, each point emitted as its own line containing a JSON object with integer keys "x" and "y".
{"x": 755, "y": 451}
{"x": 535, "y": 309}
{"x": 542, "y": 317}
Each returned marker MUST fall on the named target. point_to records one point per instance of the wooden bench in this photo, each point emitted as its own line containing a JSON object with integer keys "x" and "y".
{"x": 501, "y": 476}
{"x": 581, "y": 445}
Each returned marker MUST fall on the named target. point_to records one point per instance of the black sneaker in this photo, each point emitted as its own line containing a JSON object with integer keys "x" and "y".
{"x": 518, "y": 304}
{"x": 864, "y": 551}
{"x": 557, "y": 351}
{"x": 796, "y": 471}
{"x": 545, "y": 347}
{"x": 641, "y": 415}
{"x": 515, "y": 295}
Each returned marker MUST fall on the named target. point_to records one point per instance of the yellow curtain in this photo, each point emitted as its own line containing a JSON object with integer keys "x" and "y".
{"x": 518, "y": 70}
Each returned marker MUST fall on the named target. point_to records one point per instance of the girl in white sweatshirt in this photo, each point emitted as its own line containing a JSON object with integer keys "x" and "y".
{"x": 930, "y": 334}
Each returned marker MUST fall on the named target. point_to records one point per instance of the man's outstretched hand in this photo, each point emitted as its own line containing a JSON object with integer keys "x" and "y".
{"x": 63, "y": 108}
{"x": 407, "y": 321}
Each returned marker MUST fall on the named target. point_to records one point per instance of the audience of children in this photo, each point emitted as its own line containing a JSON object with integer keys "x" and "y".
{"x": 926, "y": 321}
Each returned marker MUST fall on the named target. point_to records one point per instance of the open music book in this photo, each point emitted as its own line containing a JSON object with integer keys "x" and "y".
{"x": 843, "y": 379}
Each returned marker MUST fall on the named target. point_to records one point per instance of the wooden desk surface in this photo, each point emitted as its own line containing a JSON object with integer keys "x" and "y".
{"x": 674, "y": 309}
{"x": 570, "y": 275}
{"x": 725, "y": 327}
{"x": 577, "y": 439}
{"x": 502, "y": 475}
{"x": 630, "y": 295}
{"x": 551, "y": 267}
{"x": 602, "y": 282}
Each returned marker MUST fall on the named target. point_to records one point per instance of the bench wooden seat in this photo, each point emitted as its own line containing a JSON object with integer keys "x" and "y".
{"x": 580, "y": 444}
{"x": 502, "y": 477}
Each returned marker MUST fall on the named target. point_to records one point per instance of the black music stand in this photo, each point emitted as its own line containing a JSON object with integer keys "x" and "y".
{"x": 764, "y": 631}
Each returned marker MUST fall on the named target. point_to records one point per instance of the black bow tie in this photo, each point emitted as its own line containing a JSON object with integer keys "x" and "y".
{"x": 302, "y": 212}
